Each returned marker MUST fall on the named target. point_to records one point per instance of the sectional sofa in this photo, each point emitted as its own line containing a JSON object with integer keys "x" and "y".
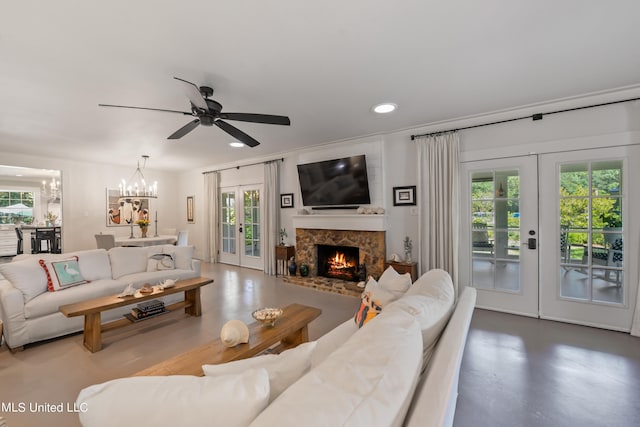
{"x": 400, "y": 368}
{"x": 30, "y": 294}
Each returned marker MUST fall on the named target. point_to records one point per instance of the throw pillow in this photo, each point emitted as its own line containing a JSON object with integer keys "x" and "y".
{"x": 182, "y": 255}
{"x": 374, "y": 297}
{"x": 395, "y": 282}
{"x": 62, "y": 274}
{"x": 160, "y": 262}
{"x": 176, "y": 400}
{"x": 283, "y": 369}
{"x": 27, "y": 276}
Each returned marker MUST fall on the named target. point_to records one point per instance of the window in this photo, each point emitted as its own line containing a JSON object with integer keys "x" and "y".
{"x": 16, "y": 206}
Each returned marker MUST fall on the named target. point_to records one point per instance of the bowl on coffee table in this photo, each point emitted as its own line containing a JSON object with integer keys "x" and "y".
{"x": 267, "y": 316}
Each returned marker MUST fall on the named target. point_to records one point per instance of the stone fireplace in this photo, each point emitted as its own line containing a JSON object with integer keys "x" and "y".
{"x": 370, "y": 245}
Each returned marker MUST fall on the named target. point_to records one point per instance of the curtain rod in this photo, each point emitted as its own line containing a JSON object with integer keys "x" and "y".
{"x": 534, "y": 117}
{"x": 241, "y": 166}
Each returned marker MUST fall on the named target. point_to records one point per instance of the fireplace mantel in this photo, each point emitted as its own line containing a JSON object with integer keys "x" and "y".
{"x": 353, "y": 222}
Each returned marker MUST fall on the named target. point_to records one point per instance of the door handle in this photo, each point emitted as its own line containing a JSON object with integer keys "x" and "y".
{"x": 532, "y": 243}
{"x": 240, "y": 228}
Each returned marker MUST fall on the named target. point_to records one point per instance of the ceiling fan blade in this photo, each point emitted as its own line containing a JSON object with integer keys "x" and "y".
{"x": 145, "y": 108}
{"x": 193, "y": 93}
{"x": 257, "y": 118}
{"x": 185, "y": 129}
{"x": 236, "y": 133}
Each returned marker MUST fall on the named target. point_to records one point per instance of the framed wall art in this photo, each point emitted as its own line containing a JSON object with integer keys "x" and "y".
{"x": 122, "y": 211}
{"x": 286, "y": 200}
{"x": 404, "y": 196}
{"x": 190, "y": 209}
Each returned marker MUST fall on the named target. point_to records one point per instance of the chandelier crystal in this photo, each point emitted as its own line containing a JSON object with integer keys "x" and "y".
{"x": 137, "y": 186}
{"x": 52, "y": 190}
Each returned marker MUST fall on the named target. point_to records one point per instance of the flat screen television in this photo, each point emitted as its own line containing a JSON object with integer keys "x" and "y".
{"x": 339, "y": 182}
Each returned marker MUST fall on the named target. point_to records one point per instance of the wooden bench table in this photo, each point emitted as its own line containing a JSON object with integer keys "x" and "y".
{"x": 92, "y": 308}
{"x": 290, "y": 330}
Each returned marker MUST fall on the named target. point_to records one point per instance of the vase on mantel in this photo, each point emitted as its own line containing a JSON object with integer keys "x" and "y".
{"x": 144, "y": 231}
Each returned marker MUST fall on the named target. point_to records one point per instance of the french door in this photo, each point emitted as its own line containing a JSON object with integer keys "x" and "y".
{"x": 499, "y": 232}
{"x": 554, "y": 236}
{"x": 589, "y": 233}
{"x": 241, "y": 226}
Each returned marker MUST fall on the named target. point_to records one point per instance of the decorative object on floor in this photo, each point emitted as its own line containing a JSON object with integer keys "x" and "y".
{"x": 208, "y": 112}
{"x": 362, "y": 272}
{"x": 267, "y": 316}
{"x": 404, "y": 196}
{"x": 190, "y": 218}
{"x": 292, "y": 267}
{"x": 283, "y": 234}
{"x": 408, "y": 246}
{"x": 234, "y": 332}
{"x": 144, "y": 226}
{"x": 286, "y": 200}
{"x": 137, "y": 186}
{"x": 304, "y": 270}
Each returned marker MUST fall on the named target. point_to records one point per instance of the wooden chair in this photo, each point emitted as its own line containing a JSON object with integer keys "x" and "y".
{"x": 480, "y": 239}
{"x": 20, "y": 248}
{"x": 46, "y": 236}
{"x": 105, "y": 241}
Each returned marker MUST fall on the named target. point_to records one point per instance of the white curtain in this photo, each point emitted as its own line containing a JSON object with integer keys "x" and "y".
{"x": 212, "y": 216}
{"x": 271, "y": 215}
{"x": 635, "y": 325}
{"x": 438, "y": 204}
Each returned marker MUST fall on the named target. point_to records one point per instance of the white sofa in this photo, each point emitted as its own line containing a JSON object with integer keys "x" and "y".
{"x": 29, "y": 310}
{"x": 399, "y": 369}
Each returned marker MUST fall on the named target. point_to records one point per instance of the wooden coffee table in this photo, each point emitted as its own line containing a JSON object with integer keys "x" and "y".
{"x": 92, "y": 308}
{"x": 289, "y": 331}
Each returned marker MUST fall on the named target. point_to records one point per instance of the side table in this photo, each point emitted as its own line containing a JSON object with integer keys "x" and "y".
{"x": 404, "y": 267}
{"x": 283, "y": 254}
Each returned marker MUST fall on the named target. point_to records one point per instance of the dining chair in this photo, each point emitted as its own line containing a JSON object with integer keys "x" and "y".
{"x": 105, "y": 241}
{"x": 183, "y": 237}
{"x": 20, "y": 248}
{"x": 57, "y": 242}
{"x": 43, "y": 235}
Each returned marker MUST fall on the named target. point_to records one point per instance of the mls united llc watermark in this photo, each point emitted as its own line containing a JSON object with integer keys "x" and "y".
{"x": 41, "y": 407}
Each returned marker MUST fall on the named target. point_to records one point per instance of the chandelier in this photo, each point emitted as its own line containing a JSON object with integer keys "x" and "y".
{"x": 51, "y": 191}
{"x": 137, "y": 186}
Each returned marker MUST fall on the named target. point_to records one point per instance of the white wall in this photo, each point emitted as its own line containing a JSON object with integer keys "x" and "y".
{"x": 395, "y": 154}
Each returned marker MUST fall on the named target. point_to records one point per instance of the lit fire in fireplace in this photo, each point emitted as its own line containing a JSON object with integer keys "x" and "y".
{"x": 339, "y": 262}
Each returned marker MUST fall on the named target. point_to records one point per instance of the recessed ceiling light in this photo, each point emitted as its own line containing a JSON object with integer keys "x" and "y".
{"x": 384, "y": 108}
{"x": 236, "y": 144}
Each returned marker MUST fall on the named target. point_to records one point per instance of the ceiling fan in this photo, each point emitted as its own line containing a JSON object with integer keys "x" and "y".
{"x": 209, "y": 112}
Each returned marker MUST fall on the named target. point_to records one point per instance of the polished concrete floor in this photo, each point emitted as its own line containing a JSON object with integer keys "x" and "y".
{"x": 516, "y": 371}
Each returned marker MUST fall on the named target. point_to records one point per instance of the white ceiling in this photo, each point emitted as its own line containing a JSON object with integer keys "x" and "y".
{"x": 324, "y": 64}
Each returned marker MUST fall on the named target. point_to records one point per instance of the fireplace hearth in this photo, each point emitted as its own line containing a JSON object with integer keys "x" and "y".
{"x": 338, "y": 262}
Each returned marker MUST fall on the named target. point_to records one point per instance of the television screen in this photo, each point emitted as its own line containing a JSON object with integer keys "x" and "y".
{"x": 339, "y": 182}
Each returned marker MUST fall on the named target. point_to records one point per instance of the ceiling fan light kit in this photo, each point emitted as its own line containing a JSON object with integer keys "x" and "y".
{"x": 209, "y": 112}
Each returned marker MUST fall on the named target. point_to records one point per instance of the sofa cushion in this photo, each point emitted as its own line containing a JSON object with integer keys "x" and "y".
{"x": 176, "y": 400}
{"x": 62, "y": 274}
{"x": 160, "y": 262}
{"x": 182, "y": 255}
{"x": 368, "y": 381}
{"x": 127, "y": 261}
{"x": 156, "y": 277}
{"x": 283, "y": 369}
{"x": 430, "y": 300}
{"x": 332, "y": 340}
{"x": 49, "y": 302}
{"x": 27, "y": 276}
{"x": 94, "y": 264}
{"x": 395, "y": 282}
{"x": 374, "y": 298}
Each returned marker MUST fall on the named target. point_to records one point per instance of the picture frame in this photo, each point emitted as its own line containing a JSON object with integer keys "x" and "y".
{"x": 286, "y": 200}
{"x": 122, "y": 211}
{"x": 404, "y": 196}
{"x": 190, "y": 209}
